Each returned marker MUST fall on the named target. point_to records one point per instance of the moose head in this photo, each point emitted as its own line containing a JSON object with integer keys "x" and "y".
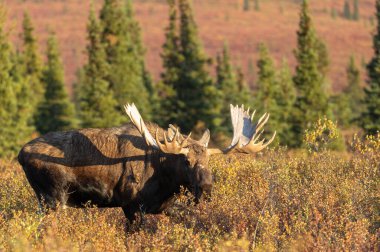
{"x": 192, "y": 156}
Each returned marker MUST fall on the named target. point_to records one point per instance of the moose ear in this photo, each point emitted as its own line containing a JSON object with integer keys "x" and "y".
{"x": 205, "y": 138}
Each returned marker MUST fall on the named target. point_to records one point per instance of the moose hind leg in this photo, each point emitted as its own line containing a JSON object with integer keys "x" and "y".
{"x": 130, "y": 212}
{"x": 47, "y": 194}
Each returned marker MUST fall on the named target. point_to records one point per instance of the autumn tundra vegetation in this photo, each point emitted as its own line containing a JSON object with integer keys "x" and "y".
{"x": 315, "y": 187}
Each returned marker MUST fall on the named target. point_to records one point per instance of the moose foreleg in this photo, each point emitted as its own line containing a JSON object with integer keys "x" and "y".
{"x": 130, "y": 212}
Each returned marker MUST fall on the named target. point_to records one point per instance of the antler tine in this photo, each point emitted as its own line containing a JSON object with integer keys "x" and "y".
{"x": 171, "y": 133}
{"x": 174, "y": 129}
{"x": 271, "y": 139}
{"x": 165, "y": 139}
{"x": 172, "y": 146}
{"x": 260, "y": 146}
{"x": 261, "y": 118}
{"x": 185, "y": 140}
{"x": 261, "y": 124}
{"x": 253, "y": 114}
{"x": 257, "y": 136}
{"x": 253, "y": 147}
{"x": 176, "y": 135}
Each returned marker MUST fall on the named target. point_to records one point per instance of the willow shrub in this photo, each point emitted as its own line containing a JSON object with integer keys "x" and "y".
{"x": 278, "y": 200}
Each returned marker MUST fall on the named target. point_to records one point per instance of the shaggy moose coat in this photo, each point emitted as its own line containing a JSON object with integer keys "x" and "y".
{"x": 109, "y": 168}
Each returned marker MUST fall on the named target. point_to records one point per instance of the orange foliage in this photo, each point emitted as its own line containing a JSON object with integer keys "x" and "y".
{"x": 283, "y": 201}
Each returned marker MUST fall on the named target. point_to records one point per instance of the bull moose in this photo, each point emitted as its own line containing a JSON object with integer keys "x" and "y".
{"x": 126, "y": 166}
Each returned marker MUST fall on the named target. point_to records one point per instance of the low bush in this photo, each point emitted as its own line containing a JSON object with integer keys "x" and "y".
{"x": 276, "y": 201}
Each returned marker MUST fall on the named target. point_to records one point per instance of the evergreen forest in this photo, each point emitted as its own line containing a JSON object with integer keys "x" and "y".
{"x": 194, "y": 89}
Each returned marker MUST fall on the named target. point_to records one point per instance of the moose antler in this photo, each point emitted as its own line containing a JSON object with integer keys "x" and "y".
{"x": 171, "y": 132}
{"x": 137, "y": 120}
{"x": 245, "y": 138}
{"x": 176, "y": 142}
{"x": 246, "y": 133}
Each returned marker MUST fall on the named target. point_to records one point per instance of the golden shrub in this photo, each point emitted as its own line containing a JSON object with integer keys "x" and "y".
{"x": 276, "y": 201}
{"x": 323, "y": 135}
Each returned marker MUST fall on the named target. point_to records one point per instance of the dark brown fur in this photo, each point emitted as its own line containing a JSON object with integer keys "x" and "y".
{"x": 111, "y": 167}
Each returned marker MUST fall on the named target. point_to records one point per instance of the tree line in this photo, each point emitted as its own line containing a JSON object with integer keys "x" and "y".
{"x": 34, "y": 97}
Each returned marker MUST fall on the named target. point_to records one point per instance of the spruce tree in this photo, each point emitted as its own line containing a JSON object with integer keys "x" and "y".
{"x": 356, "y": 15}
{"x": 347, "y": 10}
{"x": 267, "y": 89}
{"x": 246, "y": 5}
{"x": 257, "y": 5}
{"x": 137, "y": 45}
{"x": 171, "y": 58}
{"x": 341, "y": 107}
{"x": 96, "y": 102}
{"x": 285, "y": 99}
{"x": 56, "y": 112}
{"x": 371, "y": 115}
{"x": 196, "y": 93}
{"x": 8, "y": 102}
{"x": 347, "y": 105}
{"x": 245, "y": 93}
{"x": 354, "y": 92}
{"x": 312, "y": 101}
{"x": 24, "y": 96}
{"x": 14, "y": 129}
{"x": 135, "y": 34}
{"x": 251, "y": 72}
{"x": 31, "y": 64}
{"x": 128, "y": 77}
{"x": 227, "y": 84}
{"x": 112, "y": 18}
{"x": 266, "y": 82}
{"x": 323, "y": 57}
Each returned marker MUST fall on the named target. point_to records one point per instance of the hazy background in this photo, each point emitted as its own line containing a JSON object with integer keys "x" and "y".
{"x": 218, "y": 21}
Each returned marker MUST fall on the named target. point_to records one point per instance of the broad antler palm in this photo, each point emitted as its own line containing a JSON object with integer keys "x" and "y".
{"x": 246, "y": 133}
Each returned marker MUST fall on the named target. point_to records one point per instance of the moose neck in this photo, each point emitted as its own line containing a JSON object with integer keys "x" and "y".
{"x": 165, "y": 182}
{"x": 174, "y": 170}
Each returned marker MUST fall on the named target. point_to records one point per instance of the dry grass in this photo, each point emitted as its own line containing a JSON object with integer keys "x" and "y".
{"x": 281, "y": 200}
{"x": 218, "y": 21}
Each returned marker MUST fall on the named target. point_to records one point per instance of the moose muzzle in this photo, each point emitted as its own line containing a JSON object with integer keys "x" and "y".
{"x": 203, "y": 185}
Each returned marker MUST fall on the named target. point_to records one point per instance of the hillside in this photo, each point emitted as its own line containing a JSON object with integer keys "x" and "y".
{"x": 219, "y": 20}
